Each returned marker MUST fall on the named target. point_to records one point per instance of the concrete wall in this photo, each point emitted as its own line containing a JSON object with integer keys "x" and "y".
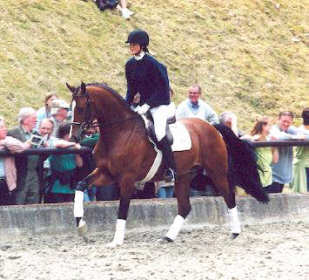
{"x": 58, "y": 218}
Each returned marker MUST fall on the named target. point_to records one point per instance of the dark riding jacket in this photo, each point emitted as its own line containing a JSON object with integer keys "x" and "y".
{"x": 149, "y": 78}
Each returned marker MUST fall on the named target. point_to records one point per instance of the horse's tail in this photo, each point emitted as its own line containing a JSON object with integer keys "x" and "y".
{"x": 243, "y": 167}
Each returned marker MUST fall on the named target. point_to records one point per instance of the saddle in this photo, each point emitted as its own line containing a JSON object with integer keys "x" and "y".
{"x": 151, "y": 131}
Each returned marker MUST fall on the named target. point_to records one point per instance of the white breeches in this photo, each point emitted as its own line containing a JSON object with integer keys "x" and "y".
{"x": 160, "y": 115}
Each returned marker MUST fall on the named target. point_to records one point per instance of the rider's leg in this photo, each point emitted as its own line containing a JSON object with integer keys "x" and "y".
{"x": 160, "y": 115}
{"x": 168, "y": 158}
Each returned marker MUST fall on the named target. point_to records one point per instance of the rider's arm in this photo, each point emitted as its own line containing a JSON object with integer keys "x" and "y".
{"x": 131, "y": 91}
{"x": 161, "y": 90}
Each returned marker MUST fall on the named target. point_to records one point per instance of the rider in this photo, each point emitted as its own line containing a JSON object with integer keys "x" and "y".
{"x": 148, "y": 77}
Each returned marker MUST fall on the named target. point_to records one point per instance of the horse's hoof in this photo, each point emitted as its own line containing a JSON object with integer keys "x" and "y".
{"x": 165, "y": 239}
{"x": 113, "y": 245}
{"x": 234, "y": 236}
{"x": 82, "y": 228}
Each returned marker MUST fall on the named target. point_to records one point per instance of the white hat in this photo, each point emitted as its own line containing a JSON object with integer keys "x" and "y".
{"x": 58, "y": 104}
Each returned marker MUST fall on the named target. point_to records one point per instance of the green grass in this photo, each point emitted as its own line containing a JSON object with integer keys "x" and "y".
{"x": 249, "y": 56}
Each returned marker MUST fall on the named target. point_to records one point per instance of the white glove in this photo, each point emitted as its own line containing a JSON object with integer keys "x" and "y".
{"x": 142, "y": 109}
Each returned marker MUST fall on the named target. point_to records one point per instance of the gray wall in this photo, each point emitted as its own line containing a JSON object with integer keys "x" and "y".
{"x": 58, "y": 218}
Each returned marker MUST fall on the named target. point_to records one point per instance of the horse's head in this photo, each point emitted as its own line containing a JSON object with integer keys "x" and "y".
{"x": 82, "y": 111}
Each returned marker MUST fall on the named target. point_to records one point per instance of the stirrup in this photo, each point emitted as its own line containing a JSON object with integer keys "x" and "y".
{"x": 170, "y": 175}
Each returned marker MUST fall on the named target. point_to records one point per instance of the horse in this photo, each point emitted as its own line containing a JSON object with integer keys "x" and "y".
{"x": 124, "y": 155}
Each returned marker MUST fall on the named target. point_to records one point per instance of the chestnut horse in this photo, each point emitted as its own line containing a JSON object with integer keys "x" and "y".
{"x": 124, "y": 156}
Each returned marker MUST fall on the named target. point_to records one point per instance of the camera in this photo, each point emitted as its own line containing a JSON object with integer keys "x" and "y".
{"x": 36, "y": 140}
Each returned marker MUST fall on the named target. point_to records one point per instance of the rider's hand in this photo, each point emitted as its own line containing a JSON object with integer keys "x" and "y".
{"x": 142, "y": 109}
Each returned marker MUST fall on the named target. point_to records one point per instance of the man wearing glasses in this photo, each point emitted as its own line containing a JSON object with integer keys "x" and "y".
{"x": 194, "y": 107}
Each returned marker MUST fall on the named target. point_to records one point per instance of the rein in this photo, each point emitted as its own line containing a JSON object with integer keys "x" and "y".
{"x": 116, "y": 122}
{"x": 87, "y": 123}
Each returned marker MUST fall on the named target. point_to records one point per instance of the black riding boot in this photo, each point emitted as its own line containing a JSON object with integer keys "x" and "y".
{"x": 168, "y": 159}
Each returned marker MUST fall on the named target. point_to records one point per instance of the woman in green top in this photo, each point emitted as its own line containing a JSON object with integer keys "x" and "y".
{"x": 266, "y": 155}
{"x": 300, "y": 181}
{"x": 62, "y": 172}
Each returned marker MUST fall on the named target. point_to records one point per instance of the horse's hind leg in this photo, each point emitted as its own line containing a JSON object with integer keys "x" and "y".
{"x": 222, "y": 185}
{"x": 182, "y": 189}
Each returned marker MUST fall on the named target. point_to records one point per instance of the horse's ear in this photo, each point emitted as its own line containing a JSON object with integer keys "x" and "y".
{"x": 83, "y": 88}
{"x": 72, "y": 89}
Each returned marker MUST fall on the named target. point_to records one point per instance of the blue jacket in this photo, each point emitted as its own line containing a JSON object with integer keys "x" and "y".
{"x": 149, "y": 78}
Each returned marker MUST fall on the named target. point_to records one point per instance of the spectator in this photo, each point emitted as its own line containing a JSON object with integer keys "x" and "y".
{"x": 300, "y": 181}
{"x": 266, "y": 155}
{"x": 282, "y": 170}
{"x": 63, "y": 167}
{"x": 8, "y": 177}
{"x": 59, "y": 114}
{"x": 45, "y": 130}
{"x": 27, "y": 191}
{"x": 164, "y": 189}
{"x": 125, "y": 12}
{"x": 45, "y": 112}
{"x": 121, "y": 5}
{"x": 106, "y": 4}
{"x": 229, "y": 119}
{"x": 194, "y": 107}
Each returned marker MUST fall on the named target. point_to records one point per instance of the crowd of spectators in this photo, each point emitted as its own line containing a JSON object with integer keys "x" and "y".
{"x": 29, "y": 179}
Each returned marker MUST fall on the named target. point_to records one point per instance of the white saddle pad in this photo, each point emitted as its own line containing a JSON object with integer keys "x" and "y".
{"x": 181, "y": 142}
{"x": 181, "y": 136}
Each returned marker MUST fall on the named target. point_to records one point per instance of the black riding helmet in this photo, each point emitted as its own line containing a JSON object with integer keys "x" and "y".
{"x": 140, "y": 37}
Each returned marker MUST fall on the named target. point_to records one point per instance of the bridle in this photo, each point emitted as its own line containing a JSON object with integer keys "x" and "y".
{"x": 87, "y": 123}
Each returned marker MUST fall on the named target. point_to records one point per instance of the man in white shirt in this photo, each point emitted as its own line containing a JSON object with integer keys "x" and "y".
{"x": 283, "y": 169}
{"x": 194, "y": 107}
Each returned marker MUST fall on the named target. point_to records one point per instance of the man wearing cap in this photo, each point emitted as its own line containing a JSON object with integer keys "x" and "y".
{"x": 59, "y": 114}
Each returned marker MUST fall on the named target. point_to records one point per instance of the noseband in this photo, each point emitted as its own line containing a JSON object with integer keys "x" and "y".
{"x": 86, "y": 124}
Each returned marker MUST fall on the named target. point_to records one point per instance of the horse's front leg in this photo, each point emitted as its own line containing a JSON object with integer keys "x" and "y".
{"x": 182, "y": 190}
{"x": 126, "y": 190}
{"x": 96, "y": 176}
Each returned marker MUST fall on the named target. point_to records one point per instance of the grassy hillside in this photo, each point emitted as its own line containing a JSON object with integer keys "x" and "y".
{"x": 250, "y": 56}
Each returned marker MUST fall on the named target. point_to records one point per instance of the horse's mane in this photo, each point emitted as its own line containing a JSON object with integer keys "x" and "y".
{"x": 109, "y": 89}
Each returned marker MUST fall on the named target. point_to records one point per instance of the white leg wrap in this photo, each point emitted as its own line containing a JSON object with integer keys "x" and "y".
{"x": 78, "y": 204}
{"x": 234, "y": 220}
{"x": 120, "y": 231}
{"x": 175, "y": 227}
